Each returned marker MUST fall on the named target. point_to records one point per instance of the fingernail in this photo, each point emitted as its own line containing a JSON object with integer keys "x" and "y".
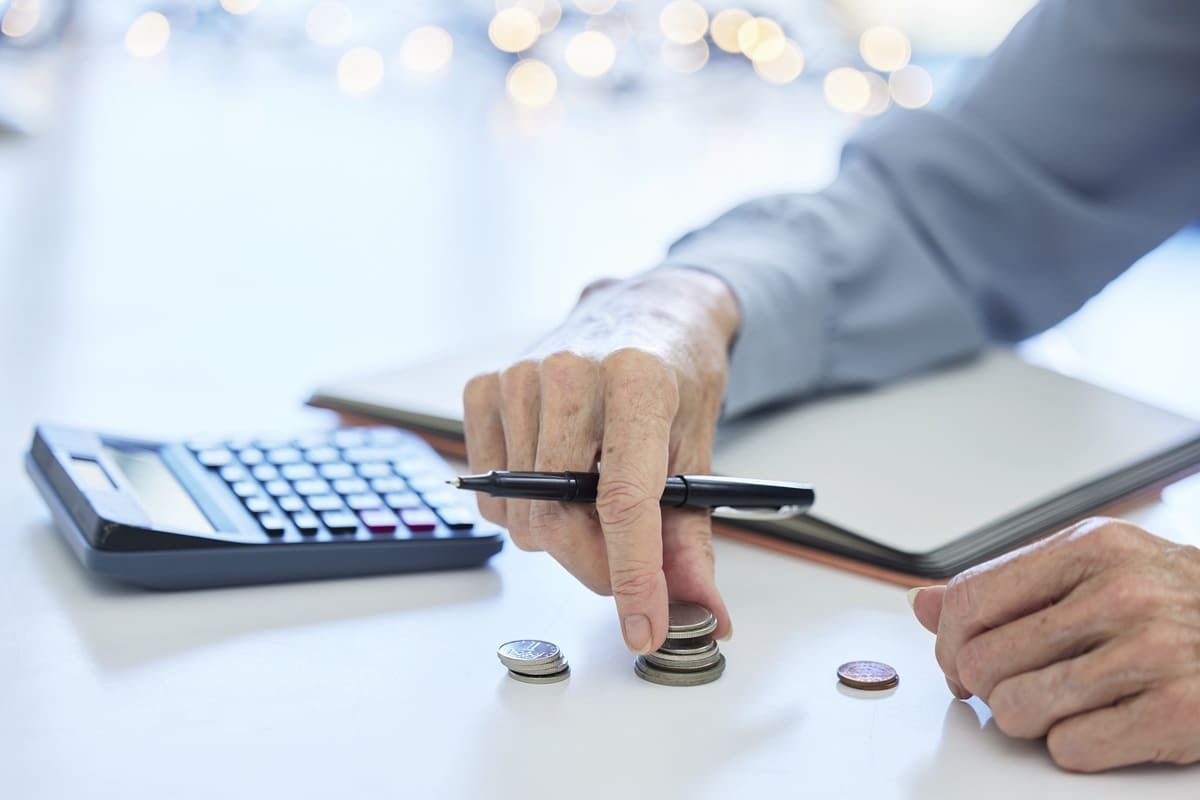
{"x": 956, "y": 690}
{"x": 912, "y": 596}
{"x": 728, "y": 634}
{"x": 637, "y": 633}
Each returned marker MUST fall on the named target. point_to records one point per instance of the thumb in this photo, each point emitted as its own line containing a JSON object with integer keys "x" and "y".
{"x": 926, "y": 603}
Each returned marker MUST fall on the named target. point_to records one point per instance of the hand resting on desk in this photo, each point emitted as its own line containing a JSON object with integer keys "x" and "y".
{"x": 1090, "y": 638}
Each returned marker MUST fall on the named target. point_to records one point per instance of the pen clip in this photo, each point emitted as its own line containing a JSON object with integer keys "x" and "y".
{"x": 757, "y": 514}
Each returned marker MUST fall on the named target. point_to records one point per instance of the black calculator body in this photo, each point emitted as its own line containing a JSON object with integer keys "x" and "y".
{"x": 220, "y": 512}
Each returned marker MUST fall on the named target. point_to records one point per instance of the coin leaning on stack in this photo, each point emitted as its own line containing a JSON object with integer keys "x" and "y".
{"x": 689, "y": 656}
{"x": 534, "y": 661}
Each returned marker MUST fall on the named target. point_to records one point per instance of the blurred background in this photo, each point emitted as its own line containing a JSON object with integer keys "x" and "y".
{"x": 207, "y": 208}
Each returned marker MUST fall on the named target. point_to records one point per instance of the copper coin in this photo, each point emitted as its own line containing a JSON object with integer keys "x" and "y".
{"x": 869, "y": 675}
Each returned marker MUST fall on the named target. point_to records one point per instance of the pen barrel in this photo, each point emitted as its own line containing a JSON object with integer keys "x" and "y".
{"x": 711, "y": 491}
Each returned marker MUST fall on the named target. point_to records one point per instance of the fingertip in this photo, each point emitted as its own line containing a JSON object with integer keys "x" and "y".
{"x": 639, "y": 634}
{"x": 926, "y": 602}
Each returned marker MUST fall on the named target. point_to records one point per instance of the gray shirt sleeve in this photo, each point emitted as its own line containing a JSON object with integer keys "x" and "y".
{"x": 1075, "y": 151}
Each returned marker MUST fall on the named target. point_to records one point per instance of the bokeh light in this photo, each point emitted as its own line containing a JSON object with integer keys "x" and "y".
{"x": 148, "y": 35}
{"x": 21, "y": 18}
{"x": 590, "y": 54}
{"x": 683, "y": 21}
{"x": 239, "y": 7}
{"x": 784, "y": 69}
{"x": 685, "y": 58}
{"x": 885, "y": 49}
{"x": 880, "y": 95}
{"x": 329, "y": 23}
{"x": 912, "y": 86}
{"x": 761, "y": 39}
{"x": 514, "y": 29}
{"x": 847, "y": 90}
{"x": 360, "y": 71}
{"x": 595, "y": 6}
{"x": 427, "y": 49}
{"x": 725, "y": 26}
{"x": 531, "y": 83}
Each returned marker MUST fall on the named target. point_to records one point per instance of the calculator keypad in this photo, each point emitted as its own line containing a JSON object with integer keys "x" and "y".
{"x": 360, "y": 483}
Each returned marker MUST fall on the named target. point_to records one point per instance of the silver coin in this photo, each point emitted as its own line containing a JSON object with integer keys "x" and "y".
{"x": 688, "y": 663}
{"x": 687, "y": 647}
{"x": 666, "y": 677}
{"x": 688, "y": 621}
{"x": 551, "y": 678}
{"x": 527, "y": 652}
{"x": 557, "y": 665}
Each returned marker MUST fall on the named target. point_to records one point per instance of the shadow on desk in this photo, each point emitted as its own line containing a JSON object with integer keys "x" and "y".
{"x": 123, "y": 626}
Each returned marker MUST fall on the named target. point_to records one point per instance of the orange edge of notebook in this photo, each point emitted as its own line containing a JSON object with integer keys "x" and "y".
{"x": 454, "y": 447}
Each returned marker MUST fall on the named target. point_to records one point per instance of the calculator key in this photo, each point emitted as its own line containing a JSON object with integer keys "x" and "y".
{"x": 374, "y": 469}
{"x": 215, "y": 457}
{"x": 360, "y": 502}
{"x": 336, "y": 470}
{"x": 312, "y": 486}
{"x": 291, "y": 503}
{"x": 363, "y": 501}
{"x": 272, "y": 442}
{"x": 350, "y": 486}
{"x": 257, "y": 504}
{"x": 265, "y": 472}
{"x": 427, "y": 483}
{"x": 273, "y": 524}
{"x": 349, "y": 437}
{"x": 411, "y": 465}
{"x": 324, "y": 502}
{"x": 306, "y": 523}
{"x": 418, "y": 520}
{"x": 385, "y": 485}
{"x": 362, "y": 455}
{"x": 278, "y": 488}
{"x": 245, "y": 488}
{"x": 340, "y": 521}
{"x": 250, "y": 456}
{"x": 321, "y": 455}
{"x": 378, "y": 521}
{"x": 283, "y": 455}
{"x": 457, "y": 518}
{"x": 234, "y": 473}
{"x": 298, "y": 472}
{"x": 444, "y": 497}
{"x": 310, "y": 440}
{"x": 383, "y": 437}
{"x": 399, "y": 500}
{"x": 239, "y": 443}
{"x": 204, "y": 443}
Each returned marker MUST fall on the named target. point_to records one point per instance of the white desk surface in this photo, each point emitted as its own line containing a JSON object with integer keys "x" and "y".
{"x": 140, "y": 293}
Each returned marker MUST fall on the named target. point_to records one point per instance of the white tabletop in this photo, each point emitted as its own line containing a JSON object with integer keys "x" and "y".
{"x": 164, "y": 275}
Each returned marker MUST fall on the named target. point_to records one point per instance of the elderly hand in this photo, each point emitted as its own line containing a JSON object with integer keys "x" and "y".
{"x": 633, "y": 381}
{"x": 1090, "y": 638}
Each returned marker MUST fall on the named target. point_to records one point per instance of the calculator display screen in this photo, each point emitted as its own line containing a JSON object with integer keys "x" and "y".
{"x": 163, "y": 498}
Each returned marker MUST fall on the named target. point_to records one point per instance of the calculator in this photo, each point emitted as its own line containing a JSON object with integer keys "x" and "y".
{"x": 242, "y": 510}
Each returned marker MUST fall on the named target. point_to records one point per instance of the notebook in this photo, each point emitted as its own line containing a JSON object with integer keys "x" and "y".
{"x": 919, "y": 479}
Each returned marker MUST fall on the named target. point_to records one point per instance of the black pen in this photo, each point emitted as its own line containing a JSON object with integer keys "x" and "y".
{"x": 695, "y": 491}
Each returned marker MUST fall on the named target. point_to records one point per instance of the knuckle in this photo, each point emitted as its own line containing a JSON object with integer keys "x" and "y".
{"x": 479, "y": 392}
{"x": 566, "y": 371}
{"x": 517, "y": 379}
{"x": 546, "y": 519}
{"x": 1068, "y": 751}
{"x": 1106, "y": 534}
{"x": 958, "y": 601}
{"x": 633, "y": 580}
{"x": 1133, "y": 593}
{"x": 621, "y": 503}
{"x": 1010, "y": 710}
{"x": 640, "y": 374}
{"x": 972, "y": 663}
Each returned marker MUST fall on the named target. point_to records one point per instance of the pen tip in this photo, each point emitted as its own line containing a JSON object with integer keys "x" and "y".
{"x": 455, "y": 482}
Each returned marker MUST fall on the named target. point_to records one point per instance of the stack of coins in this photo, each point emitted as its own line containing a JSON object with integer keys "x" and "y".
{"x": 689, "y": 656}
{"x": 534, "y": 661}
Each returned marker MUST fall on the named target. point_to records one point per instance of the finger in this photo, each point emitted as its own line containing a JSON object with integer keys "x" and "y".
{"x": 1022, "y": 582}
{"x": 688, "y": 561}
{"x": 519, "y": 404}
{"x": 1158, "y": 725}
{"x": 1029, "y": 704}
{"x": 1070, "y": 627}
{"x": 926, "y": 603}
{"x": 485, "y": 438}
{"x": 640, "y": 402}
{"x": 569, "y": 439}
